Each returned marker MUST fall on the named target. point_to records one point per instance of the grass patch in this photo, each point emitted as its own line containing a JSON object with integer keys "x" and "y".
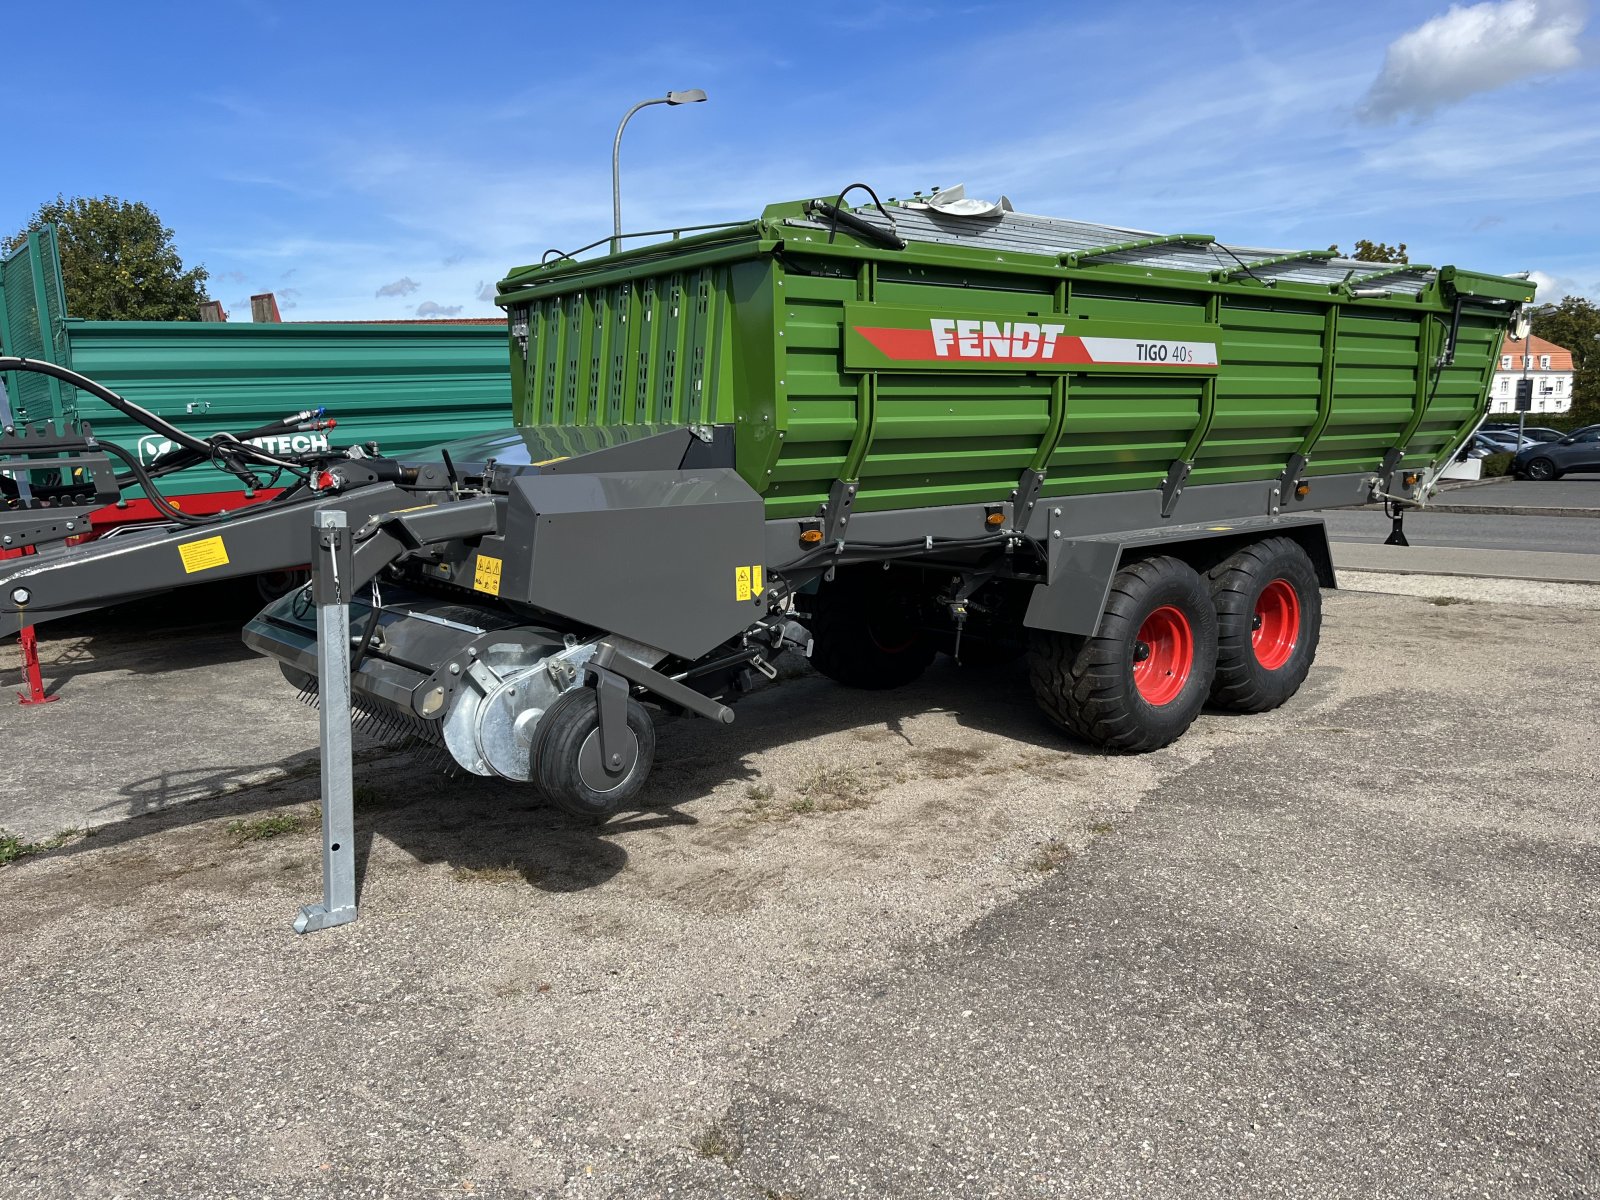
{"x": 1446, "y": 601}
{"x": 716, "y": 1141}
{"x": 495, "y": 873}
{"x": 1050, "y": 856}
{"x": 1101, "y": 827}
{"x": 760, "y": 794}
{"x": 261, "y": 829}
{"x": 13, "y": 847}
{"x": 832, "y": 789}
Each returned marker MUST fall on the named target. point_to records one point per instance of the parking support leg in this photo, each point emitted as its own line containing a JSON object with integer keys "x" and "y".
{"x": 330, "y": 590}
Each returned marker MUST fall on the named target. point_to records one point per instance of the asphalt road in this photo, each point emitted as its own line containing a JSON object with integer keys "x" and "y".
{"x": 1572, "y": 535}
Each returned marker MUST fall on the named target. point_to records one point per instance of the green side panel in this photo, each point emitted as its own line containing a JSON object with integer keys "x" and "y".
{"x": 1121, "y": 432}
{"x": 1267, "y": 391}
{"x": 32, "y": 316}
{"x": 1376, "y": 369}
{"x": 406, "y": 387}
{"x": 817, "y": 401}
{"x": 1457, "y": 391}
{"x": 651, "y": 350}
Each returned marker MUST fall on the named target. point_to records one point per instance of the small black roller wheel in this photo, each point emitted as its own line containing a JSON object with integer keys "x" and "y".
{"x": 1541, "y": 469}
{"x": 867, "y": 629}
{"x": 1269, "y": 619}
{"x": 1144, "y": 676}
{"x": 569, "y": 768}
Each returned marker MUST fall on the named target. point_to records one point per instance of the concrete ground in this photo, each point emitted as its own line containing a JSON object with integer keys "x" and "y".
{"x": 910, "y": 943}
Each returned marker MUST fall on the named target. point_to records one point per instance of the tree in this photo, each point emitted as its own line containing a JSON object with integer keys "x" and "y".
{"x": 1378, "y": 252}
{"x": 1573, "y": 325}
{"x": 118, "y": 261}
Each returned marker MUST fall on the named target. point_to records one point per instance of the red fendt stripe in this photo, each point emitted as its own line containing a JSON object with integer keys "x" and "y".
{"x": 900, "y": 344}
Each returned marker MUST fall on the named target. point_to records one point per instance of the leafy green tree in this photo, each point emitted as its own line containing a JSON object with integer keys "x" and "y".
{"x": 1378, "y": 252}
{"x": 118, "y": 261}
{"x": 1573, "y": 324}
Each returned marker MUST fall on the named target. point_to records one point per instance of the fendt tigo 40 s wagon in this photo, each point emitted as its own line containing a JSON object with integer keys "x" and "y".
{"x": 879, "y": 433}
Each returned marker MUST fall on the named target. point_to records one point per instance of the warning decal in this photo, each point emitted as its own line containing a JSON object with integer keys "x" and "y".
{"x": 204, "y": 555}
{"x": 747, "y": 582}
{"x": 486, "y": 575}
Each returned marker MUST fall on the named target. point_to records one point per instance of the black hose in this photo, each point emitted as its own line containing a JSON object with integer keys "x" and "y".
{"x": 126, "y": 407}
{"x": 153, "y": 494}
{"x": 210, "y": 450}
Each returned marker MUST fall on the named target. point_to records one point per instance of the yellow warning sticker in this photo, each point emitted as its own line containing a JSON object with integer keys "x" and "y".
{"x": 486, "y": 575}
{"x": 204, "y": 555}
{"x": 747, "y": 582}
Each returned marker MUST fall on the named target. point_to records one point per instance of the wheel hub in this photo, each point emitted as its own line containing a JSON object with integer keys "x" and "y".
{"x": 592, "y": 768}
{"x": 1167, "y": 642}
{"x": 1275, "y": 627}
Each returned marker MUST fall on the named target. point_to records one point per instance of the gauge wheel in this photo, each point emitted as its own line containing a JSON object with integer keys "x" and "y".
{"x": 570, "y": 769}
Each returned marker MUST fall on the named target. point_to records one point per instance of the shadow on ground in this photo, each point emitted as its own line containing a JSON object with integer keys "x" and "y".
{"x": 484, "y": 825}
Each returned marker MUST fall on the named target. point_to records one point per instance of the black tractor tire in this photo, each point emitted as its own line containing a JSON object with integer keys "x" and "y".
{"x": 866, "y": 629}
{"x": 567, "y": 766}
{"x": 1118, "y": 690}
{"x": 1269, "y": 620}
{"x": 1541, "y": 470}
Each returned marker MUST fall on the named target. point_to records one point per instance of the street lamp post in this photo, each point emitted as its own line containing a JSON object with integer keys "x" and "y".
{"x": 692, "y": 96}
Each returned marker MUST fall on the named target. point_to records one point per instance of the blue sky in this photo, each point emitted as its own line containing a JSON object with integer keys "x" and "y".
{"x": 368, "y": 161}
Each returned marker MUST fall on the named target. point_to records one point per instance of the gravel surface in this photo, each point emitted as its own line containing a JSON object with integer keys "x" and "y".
{"x": 866, "y": 944}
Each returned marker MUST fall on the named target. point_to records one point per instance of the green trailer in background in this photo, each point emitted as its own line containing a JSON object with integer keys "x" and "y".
{"x": 404, "y": 385}
{"x": 874, "y": 434}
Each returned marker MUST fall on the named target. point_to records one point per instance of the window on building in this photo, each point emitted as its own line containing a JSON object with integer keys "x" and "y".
{"x": 1505, "y": 386}
{"x": 1544, "y": 362}
{"x": 1527, "y": 361}
{"x": 1505, "y": 362}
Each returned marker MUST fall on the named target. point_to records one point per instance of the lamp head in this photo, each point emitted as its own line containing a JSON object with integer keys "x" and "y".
{"x": 692, "y": 96}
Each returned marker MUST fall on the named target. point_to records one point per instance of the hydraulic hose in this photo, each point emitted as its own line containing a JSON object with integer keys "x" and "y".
{"x": 214, "y": 450}
{"x": 126, "y": 407}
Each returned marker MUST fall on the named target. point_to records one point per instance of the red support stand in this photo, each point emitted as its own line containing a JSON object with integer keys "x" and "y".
{"x": 30, "y": 669}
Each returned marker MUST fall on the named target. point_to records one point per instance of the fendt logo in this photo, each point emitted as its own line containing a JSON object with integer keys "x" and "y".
{"x": 961, "y": 339}
{"x": 994, "y": 339}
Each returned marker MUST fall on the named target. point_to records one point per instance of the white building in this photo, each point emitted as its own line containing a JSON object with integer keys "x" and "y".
{"x": 1547, "y": 364}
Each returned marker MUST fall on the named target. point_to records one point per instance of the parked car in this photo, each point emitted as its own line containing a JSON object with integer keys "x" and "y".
{"x": 1505, "y": 442}
{"x": 1479, "y": 446}
{"x": 1577, "y": 451}
{"x": 1533, "y": 433}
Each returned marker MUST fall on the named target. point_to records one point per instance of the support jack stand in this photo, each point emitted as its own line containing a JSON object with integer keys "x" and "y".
{"x": 332, "y": 570}
{"x": 1397, "y": 531}
{"x": 30, "y": 670}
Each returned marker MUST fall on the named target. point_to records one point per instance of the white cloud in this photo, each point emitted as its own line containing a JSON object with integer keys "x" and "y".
{"x": 429, "y": 309}
{"x": 1553, "y": 288}
{"x": 1475, "y": 48}
{"x": 400, "y": 287}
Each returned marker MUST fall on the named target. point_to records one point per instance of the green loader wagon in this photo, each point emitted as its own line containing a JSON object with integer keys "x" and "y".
{"x": 873, "y": 435}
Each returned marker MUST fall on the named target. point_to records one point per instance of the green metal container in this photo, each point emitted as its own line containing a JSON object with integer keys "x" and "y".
{"x": 939, "y": 371}
{"x": 406, "y": 386}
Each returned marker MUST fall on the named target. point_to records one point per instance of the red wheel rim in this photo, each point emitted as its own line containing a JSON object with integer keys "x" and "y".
{"x": 1277, "y": 624}
{"x": 1163, "y": 656}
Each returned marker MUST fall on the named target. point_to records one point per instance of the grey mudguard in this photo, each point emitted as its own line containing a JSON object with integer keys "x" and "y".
{"x": 672, "y": 559}
{"x": 1081, "y": 568}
